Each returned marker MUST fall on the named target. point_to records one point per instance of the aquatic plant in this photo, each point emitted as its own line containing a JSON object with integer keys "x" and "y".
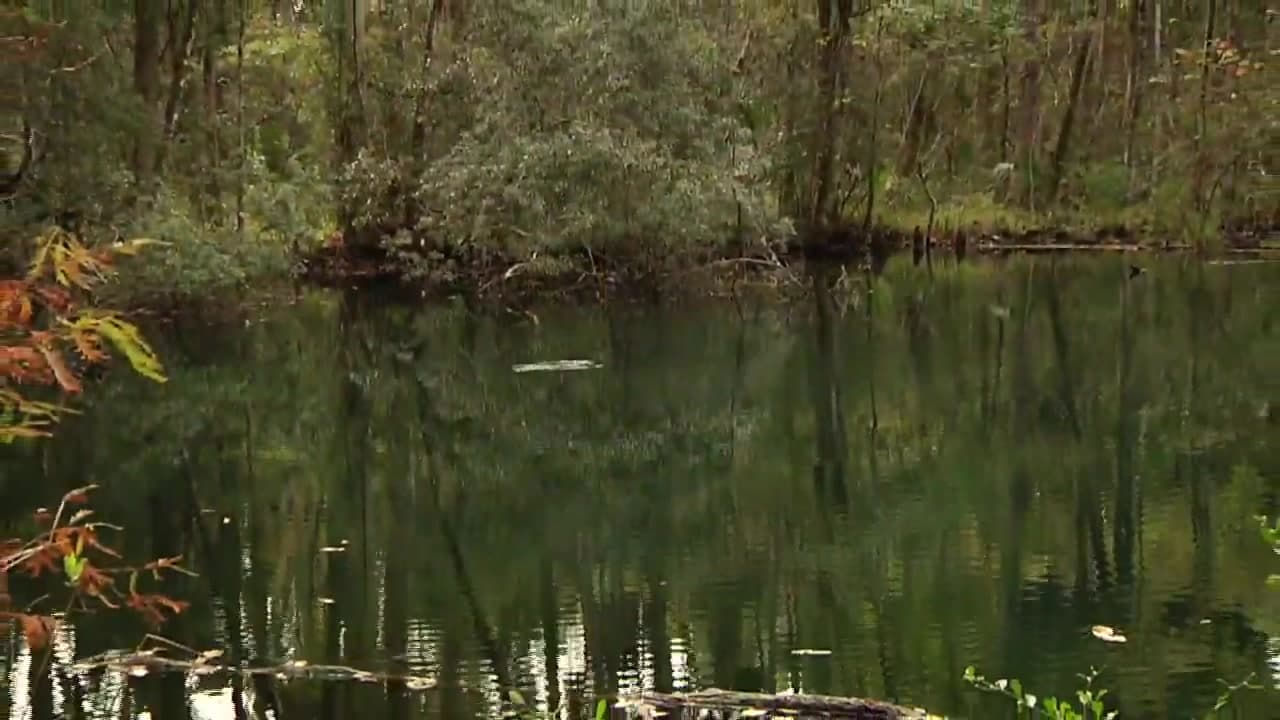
{"x": 1029, "y": 705}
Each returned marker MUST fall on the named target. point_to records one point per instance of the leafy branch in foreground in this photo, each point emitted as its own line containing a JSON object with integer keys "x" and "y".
{"x": 73, "y": 550}
{"x": 46, "y": 319}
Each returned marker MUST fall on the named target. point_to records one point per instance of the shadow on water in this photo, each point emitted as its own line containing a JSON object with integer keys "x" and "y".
{"x": 859, "y": 495}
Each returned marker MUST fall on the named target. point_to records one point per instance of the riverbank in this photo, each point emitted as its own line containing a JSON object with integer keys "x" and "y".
{"x": 585, "y": 275}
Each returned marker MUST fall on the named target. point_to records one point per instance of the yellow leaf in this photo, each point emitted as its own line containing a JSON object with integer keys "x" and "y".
{"x": 126, "y": 338}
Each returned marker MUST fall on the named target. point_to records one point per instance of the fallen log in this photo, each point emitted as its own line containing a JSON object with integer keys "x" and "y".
{"x": 728, "y": 705}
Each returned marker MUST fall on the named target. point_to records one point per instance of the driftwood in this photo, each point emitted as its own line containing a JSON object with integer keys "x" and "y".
{"x": 150, "y": 662}
{"x": 727, "y": 705}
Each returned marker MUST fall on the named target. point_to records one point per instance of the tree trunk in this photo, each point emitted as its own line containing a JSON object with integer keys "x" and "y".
{"x": 1134, "y": 82}
{"x": 834, "y": 18}
{"x": 1063, "y": 145}
{"x": 1202, "y": 116}
{"x": 146, "y": 82}
{"x": 179, "y": 53}
{"x": 1029, "y": 121}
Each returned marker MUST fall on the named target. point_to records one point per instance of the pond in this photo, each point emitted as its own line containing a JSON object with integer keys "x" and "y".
{"x": 859, "y": 494}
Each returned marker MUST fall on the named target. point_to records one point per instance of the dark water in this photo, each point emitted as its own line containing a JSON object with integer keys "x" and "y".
{"x": 971, "y": 471}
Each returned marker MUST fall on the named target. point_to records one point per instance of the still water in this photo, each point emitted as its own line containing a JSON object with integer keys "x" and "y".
{"x": 971, "y": 470}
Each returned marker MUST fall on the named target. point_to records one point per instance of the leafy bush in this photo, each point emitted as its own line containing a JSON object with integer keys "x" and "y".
{"x": 617, "y": 133}
{"x": 198, "y": 259}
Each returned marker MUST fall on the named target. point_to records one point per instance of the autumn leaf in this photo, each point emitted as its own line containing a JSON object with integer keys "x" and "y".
{"x": 45, "y": 559}
{"x": 89, "y": 345}
{"x": 126, "y": 338}
{"x": 24, "y": 365}
{"x": 94, "y": 582}
{"x": 36, "y": 629}
{"x": 55, "y": 298}
{"x": 9, "y": 433}
{"x": 169, "y": 563}
{"x": 151, "y": 607}
{"x": 63, "y": 374}
{"x": 15, "y": 304}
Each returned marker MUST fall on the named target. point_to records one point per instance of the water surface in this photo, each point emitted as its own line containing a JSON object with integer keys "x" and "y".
{"x": 968, "y": 471}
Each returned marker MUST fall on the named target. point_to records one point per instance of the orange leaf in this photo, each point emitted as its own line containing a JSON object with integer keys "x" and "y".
{"x": 55, "y": 298}
{"x": 93, "y": 581}
{"x": 24, "y": 365}
{"x": 36, "y": 628}
{"x": 65, "y": 377}
{"x": 15, "y": 303}
{"x": 44, "y": 559}
{"x": 89, "y": 344}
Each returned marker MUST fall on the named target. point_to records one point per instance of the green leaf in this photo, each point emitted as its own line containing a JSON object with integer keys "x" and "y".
{"x": 126, "y": 338}
{"x": 602, "y": 708}
{"x": 73, "y": 566}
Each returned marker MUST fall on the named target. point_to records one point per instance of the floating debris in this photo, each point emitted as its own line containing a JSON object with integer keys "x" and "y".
{"x": 557, "y": 366}
{"x": 726, "y": 704}
{"x": 810, "y": 651}
{"x": 1108, "y": 634}
{"x": 208, "y": 655}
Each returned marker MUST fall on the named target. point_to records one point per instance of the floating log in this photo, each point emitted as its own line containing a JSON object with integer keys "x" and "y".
{"x": 728, "y": 705}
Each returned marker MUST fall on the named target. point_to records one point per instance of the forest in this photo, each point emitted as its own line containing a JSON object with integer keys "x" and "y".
{"x": 471, "y": 144}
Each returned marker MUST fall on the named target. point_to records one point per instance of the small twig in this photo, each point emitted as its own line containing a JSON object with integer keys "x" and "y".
{"x": 165, "y": 641}
{"x": 80, "y": 65}
{"x": 62, "y": 506}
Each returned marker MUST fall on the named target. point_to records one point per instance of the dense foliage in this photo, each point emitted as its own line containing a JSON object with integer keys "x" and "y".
{"x": 458, "y": 134}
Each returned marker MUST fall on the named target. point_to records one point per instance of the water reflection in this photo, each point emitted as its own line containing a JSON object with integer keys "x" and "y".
{"x": 915, "y": 479}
